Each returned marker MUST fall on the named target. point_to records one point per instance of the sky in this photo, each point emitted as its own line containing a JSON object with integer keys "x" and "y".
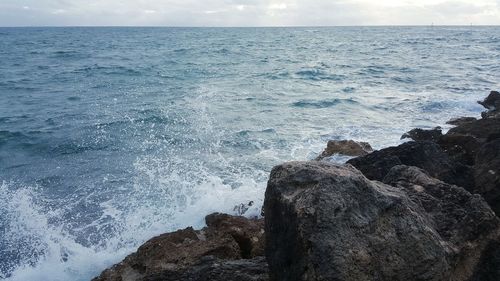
{"x": 247, "y": 12}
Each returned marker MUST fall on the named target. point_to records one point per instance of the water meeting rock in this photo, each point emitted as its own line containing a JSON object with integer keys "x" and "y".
{"x": 227, "y": 243}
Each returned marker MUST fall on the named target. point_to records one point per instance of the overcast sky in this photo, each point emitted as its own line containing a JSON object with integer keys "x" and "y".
{"x": 248, "y": 12}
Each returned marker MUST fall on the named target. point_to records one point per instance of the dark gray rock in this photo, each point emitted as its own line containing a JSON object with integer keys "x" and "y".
{"x": 345, "y": 147}
{"x": 329, "y": 222}
{"x": 425, "y": 155}
{"x": 461, "y": 120}
{"x": 460, "y": 148}
{"x": 424, "y": 135}
{"x": 489, "y": 265}
{"x": 482, "y": 129}
{"x": 487, "y": 174}
{"x": 492, "y": 101}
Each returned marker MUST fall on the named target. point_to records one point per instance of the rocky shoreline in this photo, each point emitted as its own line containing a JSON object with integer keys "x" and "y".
{"x": 427, "y": 209}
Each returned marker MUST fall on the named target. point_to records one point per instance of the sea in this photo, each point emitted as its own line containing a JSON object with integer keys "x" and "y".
{"x": 112, "y": 135}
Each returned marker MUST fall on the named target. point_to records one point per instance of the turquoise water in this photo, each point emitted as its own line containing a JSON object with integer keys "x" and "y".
{"x": 109, "y": 136}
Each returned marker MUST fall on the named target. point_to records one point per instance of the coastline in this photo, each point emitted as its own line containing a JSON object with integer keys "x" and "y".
{"x": 426, "y": 209}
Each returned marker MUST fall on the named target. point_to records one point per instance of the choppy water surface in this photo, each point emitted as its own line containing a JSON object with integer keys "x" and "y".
{"x": 109, "y": 136}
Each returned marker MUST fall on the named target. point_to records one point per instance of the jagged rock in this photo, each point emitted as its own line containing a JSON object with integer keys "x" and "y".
{"x": 424, "y": 135}
{"x": 426, "y": 155}
{"x": 345, "y": 147}
{"x": 242, "y": 208}
{"x": 329, "y": 222}
{"x": 482, "y": 129}
{"x": 248, "y": 233}
{"x": 487, "y": 174}
{"x": 492, "y": 101}
{"x": 461, "y": 120}
{"x": 463, "y": 142}
{"x": 225, "y": 238}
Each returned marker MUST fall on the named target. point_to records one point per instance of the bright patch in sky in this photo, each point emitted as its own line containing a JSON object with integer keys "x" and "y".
{"x": 248, "y": 12}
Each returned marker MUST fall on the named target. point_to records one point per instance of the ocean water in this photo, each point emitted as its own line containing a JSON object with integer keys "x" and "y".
{"x": 109, "y": 136}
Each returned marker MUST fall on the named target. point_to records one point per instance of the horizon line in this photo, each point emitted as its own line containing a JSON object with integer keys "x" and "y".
{"x": 256, "y": 26}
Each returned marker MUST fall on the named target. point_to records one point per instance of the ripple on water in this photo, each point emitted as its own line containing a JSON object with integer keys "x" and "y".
{"x": 323, "y": 103}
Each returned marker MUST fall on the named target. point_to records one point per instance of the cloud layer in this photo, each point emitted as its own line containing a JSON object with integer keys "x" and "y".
{"x": 248, "y": 12}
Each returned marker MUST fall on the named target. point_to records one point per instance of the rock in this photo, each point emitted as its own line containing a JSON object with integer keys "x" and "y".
{"x": 212, "y": 269}
{"x": 345, "y": 147}
{"x": 226, "y": 238}
{"x": 487, "y": 174}
{"x": 492, "y": 101}
{"x": 463, "y": 141}
{"x": 482, "y": 129}
{"x": 461, "y": 148}
{"x": 248, "y": 233}
{"x": 461, "y": 120}
{"x": 242, "y": 208}
{"x": 489, "y": 269}
{"x": 329, "y": 222}
{"x": 425, "y": 155}
{"x": 424, "y": 135}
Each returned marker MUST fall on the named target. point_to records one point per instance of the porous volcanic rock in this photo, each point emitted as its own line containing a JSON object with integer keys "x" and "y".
{"x": 423, "y": 154}
{"x": 329, "y": 222}
{"x": 487, "y": 173}
{"x": 223, "y": 244}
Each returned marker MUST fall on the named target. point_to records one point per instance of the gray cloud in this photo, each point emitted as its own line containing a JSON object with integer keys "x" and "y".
{"x": 247, "y": 12}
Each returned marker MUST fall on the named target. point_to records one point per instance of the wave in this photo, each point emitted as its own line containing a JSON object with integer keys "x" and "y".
{"x": 108, "y": 70}
{"x": 318, "y": 75}
{"x": 70, "y": 54}
{"x": 323, "y": 103}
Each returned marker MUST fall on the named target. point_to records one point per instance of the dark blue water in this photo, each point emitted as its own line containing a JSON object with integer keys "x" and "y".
{"x": 109, "y": 136}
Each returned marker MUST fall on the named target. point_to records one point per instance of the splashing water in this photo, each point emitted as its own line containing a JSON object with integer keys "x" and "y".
{"x": 109, "y": 136}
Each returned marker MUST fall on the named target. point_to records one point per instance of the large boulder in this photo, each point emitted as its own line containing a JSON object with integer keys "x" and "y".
{"x": 487, "y": 173}
{"x": 345, "y": 147}
{"x": 188, "y": 252}
{"x": 423, "y": 154}
{"x": 329, "y": 222}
